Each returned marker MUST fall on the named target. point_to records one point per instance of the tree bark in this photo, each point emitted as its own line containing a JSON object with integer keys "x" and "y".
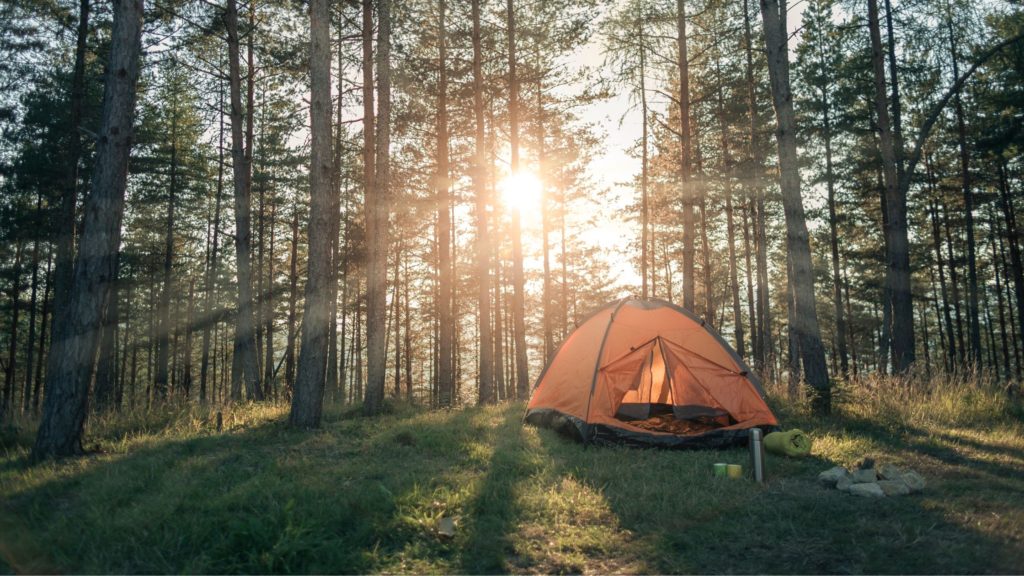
{"x": 937, "y": 242}
{"x": 293, "y": 298}
{"x": 896, "y": 233}
{"x": 797, "y": 241}
{"x": 763, "y": 350}
{"x": 973, "y": 315}
{"x": 247, "y": 366}
{"x": 518, "y": 280}
{"x": 38, "y": 384}
{"x": 104, "y": 387}
{"x": 336, "y": 254}
{"x": 993, "y": 247}
{"x": 684, "y": 161}
{"x": 483, "y": 250}
{"x": 954, "y": 279}
{"x": 212, "y": 263}
{"x": 644, "y": 177}
{"x": 64, "y": 265}
{"x": 442, "y": 200}
{"x": 308, "y": 393}
{"x": 30, "y": 342}
{"x": 69, "y": 372}
{"x": 10, "y": 371}
{"x": 165, "y": 329}
{"x": 377, "y": 212}
{"x": 730, "y": 231}
{"x": 1013, "y": 240}
{"x": 548, "y": 298}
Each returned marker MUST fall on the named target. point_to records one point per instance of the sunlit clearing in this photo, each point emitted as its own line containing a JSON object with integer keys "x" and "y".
{"x": 521, "y": 191}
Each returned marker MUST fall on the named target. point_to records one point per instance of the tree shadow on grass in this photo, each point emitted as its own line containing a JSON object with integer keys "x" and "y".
{"x": 931, "y": 444}
{"x": 263, "y": 499}
{"x": 495, "y": 509}
{"x": 696, "y": 523}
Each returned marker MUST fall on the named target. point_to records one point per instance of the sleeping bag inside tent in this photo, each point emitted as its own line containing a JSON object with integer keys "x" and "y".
{"x": 649, "y": 373}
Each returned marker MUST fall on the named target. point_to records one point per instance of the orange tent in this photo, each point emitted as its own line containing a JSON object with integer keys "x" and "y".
{"x": 647, "y": 372}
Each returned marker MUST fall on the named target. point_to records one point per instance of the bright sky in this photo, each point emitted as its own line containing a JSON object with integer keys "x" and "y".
{"x": 613, "y": 167}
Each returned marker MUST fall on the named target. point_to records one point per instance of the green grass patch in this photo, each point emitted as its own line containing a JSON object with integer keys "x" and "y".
{"x": 168, "y": 493}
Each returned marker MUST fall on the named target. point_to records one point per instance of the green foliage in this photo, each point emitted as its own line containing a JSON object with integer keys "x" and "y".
{"x": 167, "y": 493}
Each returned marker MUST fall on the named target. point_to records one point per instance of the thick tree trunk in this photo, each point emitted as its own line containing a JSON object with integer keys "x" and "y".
{"x": 377, "y": 213}
{"x": 483, "y": 250}
{"x": 308, "y": 393}
{"x": 797, "y": 241}
{"x": 69, "y": 372}
{"x": 246, "y": 367}
{"x": 896, "y": 233}
{"x": 64, "y": 266}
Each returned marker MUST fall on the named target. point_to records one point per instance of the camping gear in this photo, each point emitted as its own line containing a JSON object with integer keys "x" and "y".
{"x": 649, "y": 373}
{"x": 735, "y": 471}
{"x": 756, "y": 455}
{"x": 721, "y": 469}
{"x": 794, "y": 443}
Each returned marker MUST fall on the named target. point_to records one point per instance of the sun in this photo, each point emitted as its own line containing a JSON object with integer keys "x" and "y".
{"x": 521, "y": 192}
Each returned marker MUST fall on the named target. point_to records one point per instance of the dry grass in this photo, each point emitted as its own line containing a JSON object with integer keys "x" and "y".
{"x": 167, "y": 493}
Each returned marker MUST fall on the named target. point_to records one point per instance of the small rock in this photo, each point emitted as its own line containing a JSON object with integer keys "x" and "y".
{"x": 889, "y": 472}
{"x": 914, "y": 481}
{"x": 894, "y": 487}
{"x": 868, "y": 490}
{"x": 864, "y": 476}
{"x": 832, "y": 475}
{"x": 844, "y": 484}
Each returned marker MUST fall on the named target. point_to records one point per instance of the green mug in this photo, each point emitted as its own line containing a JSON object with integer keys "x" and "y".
{"x": 721, "y": 469}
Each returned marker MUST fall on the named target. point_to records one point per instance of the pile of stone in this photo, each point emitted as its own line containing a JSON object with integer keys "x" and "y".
{"x": 873, "y": 481}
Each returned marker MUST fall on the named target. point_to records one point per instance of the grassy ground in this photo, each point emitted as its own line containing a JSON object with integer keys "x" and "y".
{"x": 170, "y": 494}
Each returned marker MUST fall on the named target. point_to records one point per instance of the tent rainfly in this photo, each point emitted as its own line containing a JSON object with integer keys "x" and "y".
{"x": 649, "y": 373}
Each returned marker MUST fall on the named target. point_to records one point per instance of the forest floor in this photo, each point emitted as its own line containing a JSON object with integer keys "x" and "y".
{"x": 167, "y": 493}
